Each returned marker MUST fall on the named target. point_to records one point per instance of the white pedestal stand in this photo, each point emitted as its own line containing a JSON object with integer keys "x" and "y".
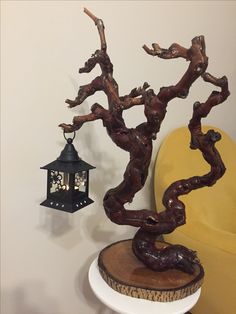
{"x": 127, "y": 305}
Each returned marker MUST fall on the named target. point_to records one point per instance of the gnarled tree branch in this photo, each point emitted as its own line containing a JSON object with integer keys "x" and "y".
{"x": 138, "y": 143}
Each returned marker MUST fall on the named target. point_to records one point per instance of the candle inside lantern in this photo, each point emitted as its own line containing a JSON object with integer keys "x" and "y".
{"x": 65, "y": 181}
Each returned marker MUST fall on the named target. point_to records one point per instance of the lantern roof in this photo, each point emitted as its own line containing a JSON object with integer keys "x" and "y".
{"x": 69, "y": 160}
{"x": 69, "y": 167}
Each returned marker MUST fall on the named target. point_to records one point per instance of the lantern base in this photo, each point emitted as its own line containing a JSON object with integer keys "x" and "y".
{"x": 70, "y": 208}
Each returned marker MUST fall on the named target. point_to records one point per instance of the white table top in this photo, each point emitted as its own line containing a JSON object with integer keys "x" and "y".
{"x": 128, "y": 305}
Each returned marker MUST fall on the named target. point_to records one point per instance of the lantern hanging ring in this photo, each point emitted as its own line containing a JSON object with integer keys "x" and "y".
{"x": 69, "y": 139}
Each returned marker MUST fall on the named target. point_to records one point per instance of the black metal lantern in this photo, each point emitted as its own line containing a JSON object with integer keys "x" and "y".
{"x": 68, "y": 181}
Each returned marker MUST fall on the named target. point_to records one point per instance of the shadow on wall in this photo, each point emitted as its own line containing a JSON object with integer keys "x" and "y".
{"x": 30, "y": 298}
{"x": 55, "y": 223}
{"x": 82, "y": 286}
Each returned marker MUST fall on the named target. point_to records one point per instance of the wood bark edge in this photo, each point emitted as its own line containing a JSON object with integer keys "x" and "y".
{"x": 147, "y": 293}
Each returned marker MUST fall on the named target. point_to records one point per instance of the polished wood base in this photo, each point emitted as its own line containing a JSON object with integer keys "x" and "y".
{"x": 124, "y": 273}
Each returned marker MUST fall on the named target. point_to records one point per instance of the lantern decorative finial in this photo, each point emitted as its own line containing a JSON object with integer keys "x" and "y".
{"x": 69, "y": 153}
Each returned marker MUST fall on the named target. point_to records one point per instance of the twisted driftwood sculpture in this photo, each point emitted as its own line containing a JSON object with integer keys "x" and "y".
{"x": 138, "y": 142}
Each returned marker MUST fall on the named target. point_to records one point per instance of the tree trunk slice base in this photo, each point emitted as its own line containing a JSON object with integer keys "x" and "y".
{"x": 124, "y": 273}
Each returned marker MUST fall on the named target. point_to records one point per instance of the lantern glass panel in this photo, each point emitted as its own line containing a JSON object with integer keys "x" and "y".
{"x": 81, "y": 181}
{"x": 58, "y": 181}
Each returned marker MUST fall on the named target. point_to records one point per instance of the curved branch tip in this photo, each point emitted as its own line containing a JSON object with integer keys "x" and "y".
{"x": 91, "y": 15}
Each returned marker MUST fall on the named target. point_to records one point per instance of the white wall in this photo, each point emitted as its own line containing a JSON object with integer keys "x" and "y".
{"x": 46, "y": 254}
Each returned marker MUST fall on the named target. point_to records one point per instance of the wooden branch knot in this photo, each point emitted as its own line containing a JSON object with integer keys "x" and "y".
{"x": 213, "y": 136}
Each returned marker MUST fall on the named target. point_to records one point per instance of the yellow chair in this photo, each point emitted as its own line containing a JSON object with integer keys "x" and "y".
{"x": 211, "y": 216}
